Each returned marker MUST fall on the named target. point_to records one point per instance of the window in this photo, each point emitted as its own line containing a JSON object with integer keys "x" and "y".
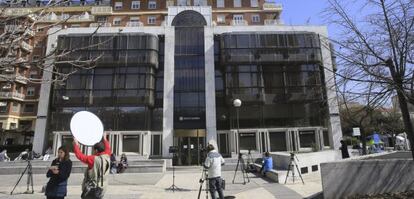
{"x": 3, "y": 107}
{"x": 200, "y": 3}
{"x": 33, "y": 74}
{"x": 182, "y": 2}
{"x": 118, "y": 5}
{"x": 134, "y": 19}
{"x": 237, "y": 3}
{"x": 13, "y": 126}
{"x": 131, "y": 143}
{"x": 117, "y": 21}
{"x": 152, "y": 19}
{"x": 152, "y": 5}
{"x": 221, "y": 18}
{"x": 136, "y": 5}
{"x": 254, "y": 3}
{"x": 29, "y": 108}
{"x": 220, "y": 3}
{"x": 238, "y": 17}
{"x": 255, "y": 18}
{"x": 15, "y": 107}
{"x": 101, "y": 19}
{"x": 30, "y": 91}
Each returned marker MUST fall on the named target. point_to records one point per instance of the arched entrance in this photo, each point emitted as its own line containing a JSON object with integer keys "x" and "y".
{"x": 189, "y": 87}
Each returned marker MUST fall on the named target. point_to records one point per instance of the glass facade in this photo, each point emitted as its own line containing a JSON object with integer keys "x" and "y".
{"x": 278, "y": 77}
{"x": 121, "y": 90}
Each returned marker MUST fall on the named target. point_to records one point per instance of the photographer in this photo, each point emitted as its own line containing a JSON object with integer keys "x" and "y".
{"x": 213, "y": 163}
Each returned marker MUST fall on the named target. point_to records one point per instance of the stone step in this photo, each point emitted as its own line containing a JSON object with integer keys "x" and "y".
{"x": 41, "y": 167}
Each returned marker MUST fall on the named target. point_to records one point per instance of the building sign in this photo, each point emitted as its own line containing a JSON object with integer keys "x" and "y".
{"x": 356, "y": 131}
{"x": 189, "y": 118}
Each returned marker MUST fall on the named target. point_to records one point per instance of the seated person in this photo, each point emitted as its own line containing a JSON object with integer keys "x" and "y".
{"x": 123, "y": 163}
{"x": 267, "y": 164}
{"x": 113, "y": 164}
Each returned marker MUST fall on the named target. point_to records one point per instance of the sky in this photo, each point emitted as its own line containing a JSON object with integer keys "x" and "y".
{"x": 302, "y": 12}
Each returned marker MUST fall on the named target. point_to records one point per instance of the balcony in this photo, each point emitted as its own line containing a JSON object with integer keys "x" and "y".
{"x": 100, "y": 24}
{"x": 271, "y": 22}
{"x": 170, "y": 3}
{"x": 13, "y": 77}
{"x": 239, "y": 23}
{"x": 52, "y": 17}
{"x": 272, "y": 7}
{"x": 134, "y": 24}
{"x": 25, "y": 46}
{"x": 101, "y": 10}
{"x": 14, "y": 28}
{"x": 12, "y": 95}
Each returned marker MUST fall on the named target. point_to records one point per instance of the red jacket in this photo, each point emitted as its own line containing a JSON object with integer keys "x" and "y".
{"x": 90, "y": 159}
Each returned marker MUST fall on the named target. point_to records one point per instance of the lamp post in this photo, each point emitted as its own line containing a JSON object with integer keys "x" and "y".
{"x": 237, "y": 103}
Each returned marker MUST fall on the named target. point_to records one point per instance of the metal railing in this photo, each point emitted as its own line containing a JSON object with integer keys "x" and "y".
{"x": 101, "y": 10}
{"x": 12, "y": 95}
{"x": 272, "y": 6}
{"x": 239, "y": 23}
{"x": 134, "y": 24}
{"x": 273, "y": 22}
{"x": 106, "y": 24}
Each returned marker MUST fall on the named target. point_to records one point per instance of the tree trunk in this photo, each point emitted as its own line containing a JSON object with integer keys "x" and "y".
{"x": 363, "y": 140}
{"x": 406, "y": 119}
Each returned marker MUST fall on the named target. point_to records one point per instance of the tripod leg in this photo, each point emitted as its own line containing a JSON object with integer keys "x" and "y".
{"x": 300, "y": 175}
{"x": 235, "y": 171}
{"x": 287, "y": 175}
{"x": 31, "y": 177}
{"x": 20, "y": 178}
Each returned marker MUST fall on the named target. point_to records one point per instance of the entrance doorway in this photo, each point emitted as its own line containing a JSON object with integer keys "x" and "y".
{"x": 191, "y": 144}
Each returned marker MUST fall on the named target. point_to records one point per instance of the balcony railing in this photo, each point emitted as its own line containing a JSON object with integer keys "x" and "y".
{"x": 15, "y": 29}
{"x": 134, "y": 24}
{"x": 239, "y": 23}
{"x": 100, "y": 24}
{"x": 272, "y": 6}
{"x": 25, "y": 46}
{"x": 12, "y": 77}
{"x": 57, "y": 18}
{"x": 12, "y": 95}
{"x": 101, "y": 10}
{"x": 270, "y": 22}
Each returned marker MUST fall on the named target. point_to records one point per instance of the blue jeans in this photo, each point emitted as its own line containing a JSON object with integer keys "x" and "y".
{"x": 216, "y": 184}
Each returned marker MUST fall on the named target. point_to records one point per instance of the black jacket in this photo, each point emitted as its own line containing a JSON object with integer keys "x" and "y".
{"x": 57, "y": 185}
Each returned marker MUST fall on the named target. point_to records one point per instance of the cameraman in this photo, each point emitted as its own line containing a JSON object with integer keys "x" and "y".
{"x": 213, "y": 163}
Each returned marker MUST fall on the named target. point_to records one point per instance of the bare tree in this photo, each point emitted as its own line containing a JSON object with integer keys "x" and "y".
{"x": 19, "y": 27}
{"x": 376, "y": 51}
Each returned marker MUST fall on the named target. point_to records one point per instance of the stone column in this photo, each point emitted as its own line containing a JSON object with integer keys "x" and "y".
{"x": 168, "y": 107}
{"x": 335, "y": 131}
{"x": 40, "y": 136}
{"x": 210, "y": 91}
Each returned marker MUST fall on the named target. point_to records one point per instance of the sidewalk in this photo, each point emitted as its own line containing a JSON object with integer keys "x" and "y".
{"x": 152, "y": 186}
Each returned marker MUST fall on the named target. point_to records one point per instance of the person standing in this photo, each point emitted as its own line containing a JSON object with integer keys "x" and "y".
{"x": 58, "y": 175}
{"x": 344, "y": 150}
{"x": 267, "y": 164}
{"x": 98, "y": 166}
{"x": 213, "y": 163}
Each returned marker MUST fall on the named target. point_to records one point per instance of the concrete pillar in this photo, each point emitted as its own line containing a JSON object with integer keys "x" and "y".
{"x": 40, "y": 136}
{"x": 168, "y": 109}
{"x": 210, "y": 91}
{"x": 334, "y": 128}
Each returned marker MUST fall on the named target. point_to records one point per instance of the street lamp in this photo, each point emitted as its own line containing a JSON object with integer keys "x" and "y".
{"x": 237, "y": 103}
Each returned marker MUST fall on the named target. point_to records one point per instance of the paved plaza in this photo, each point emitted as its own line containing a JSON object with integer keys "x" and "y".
{"x": 153, "y": 185}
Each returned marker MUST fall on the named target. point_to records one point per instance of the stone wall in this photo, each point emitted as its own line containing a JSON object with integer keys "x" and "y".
{"x": 347, "y": 178}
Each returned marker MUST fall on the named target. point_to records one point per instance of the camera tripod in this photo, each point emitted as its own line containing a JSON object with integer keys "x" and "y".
{"x": 291, "y": 167}
{"x": 29, "y": 178}
{"x": 173, "y": 187}
{"x": 203, "y": 179}
{"x": 240, "y": 162}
